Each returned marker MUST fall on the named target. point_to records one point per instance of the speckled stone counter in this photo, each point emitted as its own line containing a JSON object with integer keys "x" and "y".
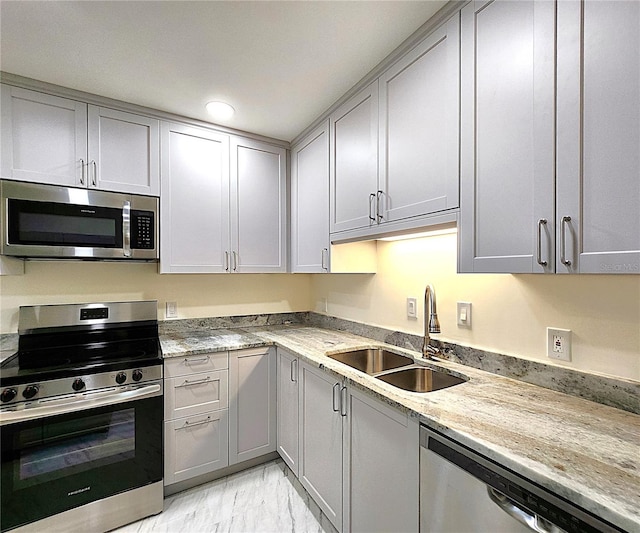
{"x": 583, "y": 451}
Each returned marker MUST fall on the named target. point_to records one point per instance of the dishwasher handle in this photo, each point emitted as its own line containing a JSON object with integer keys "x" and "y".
{"x": 522, "y": 515}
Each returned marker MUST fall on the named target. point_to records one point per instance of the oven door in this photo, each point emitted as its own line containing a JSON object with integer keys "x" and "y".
{"x": 58, "y": 462}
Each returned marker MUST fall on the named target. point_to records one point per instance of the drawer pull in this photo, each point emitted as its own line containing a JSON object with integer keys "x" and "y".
{"x": 201, "y": 360}
{"x": 188, "y": 383}
{"x": 188, "y": 424}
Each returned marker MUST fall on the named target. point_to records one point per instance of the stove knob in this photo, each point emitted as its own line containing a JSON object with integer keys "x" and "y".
{"x": 8, "y": 395}
{"x": 30, "y": 391}
{"x": 137, "y": 375}
{"x": 121, "y": 377}
{"x": 77, "y": 384}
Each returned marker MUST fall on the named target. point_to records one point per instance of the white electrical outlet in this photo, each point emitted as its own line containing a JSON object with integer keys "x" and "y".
{"x": 559, "y": 344}
{"x": 171, "y": 310}
{"x": 412, "y": 308}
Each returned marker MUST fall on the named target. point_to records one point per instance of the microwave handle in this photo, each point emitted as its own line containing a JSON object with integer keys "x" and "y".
{"x": 126, "y": 229}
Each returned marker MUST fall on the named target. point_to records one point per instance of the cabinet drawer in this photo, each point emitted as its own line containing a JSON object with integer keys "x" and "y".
{"x": 195, "y": 445}
{"x": 206, "y": 362}
{"x": 196, "y": 393}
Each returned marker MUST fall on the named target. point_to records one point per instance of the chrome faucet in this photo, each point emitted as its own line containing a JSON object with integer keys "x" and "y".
{"x": 431, "y": 325}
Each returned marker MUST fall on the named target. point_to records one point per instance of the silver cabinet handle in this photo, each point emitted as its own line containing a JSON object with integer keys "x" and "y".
{"x": 188, "y": 383}
{"x": 531, "y": 520}
{"x": 235, "y": 261}
{"x": 325, "y": 259}
{"x": 541, "y": 222}
{"x": 188, "y": 424}
{"x": 378, "y": 215}
{"x": 188, "y": 361}
{"x": 126, "y": 229}
{"x": 226, "y": 261}
{"x": 343, "y": 401}
{"x": 336, "y": 408}
{"x": 94, "y": 181}
{"x": 293, "y": 374}
{"x": 82, "y": 172}
{"x": 371, "y": 198}
{"x": 563, "y": 241}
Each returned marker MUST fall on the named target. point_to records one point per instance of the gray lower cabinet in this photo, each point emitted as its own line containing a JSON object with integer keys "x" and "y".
{"x": 356, "y": 456}
{"x": 196, "y": 428}
{"x": 252, "y": 403}
{"x": 287, "y": 399}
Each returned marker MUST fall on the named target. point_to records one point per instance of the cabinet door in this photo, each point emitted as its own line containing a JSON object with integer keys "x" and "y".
{"x": 124, "y": 152}
{"x": 194, "y": 204}
{"x": 258, "y": 206}
{"x": 598, "y": 173}
{"x": 354, "y": 162}
{"x": 195, "y": 445}
{"x": 287, "y": 434}
{"x": 507, "y": 137}
{"x": 310, "y": 202}
{"x": 252, "y": 404}
{"x": 320, "y": 468}
{"x": 44, "y": 138}
{"x": 382, "y": 466}
{"x": 419, "y": 125}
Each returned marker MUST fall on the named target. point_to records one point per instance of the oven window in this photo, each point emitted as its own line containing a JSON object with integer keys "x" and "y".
{"x": 64, "y": 448}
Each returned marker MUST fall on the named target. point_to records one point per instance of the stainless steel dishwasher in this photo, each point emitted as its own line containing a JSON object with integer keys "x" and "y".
{"x": 462, "y": 491}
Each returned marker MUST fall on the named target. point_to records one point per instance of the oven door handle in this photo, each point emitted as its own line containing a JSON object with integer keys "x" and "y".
{"x": 81, "y": 402}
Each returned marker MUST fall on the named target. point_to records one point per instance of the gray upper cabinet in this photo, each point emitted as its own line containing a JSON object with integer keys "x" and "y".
{"x": 310, "y": 202}
{"x": 59, "y": 141}
{"x": 354, "y": 161}
{"x": 258, "y": 207}
{"x": 419, "y": 125}
{"x": 507, "y": 137}
{"x": 194, "y": 204}
{"x": 598, "y": 166}
{"x": 550, "y": 182}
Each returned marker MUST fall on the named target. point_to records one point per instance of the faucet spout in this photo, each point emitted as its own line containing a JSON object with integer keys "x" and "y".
{"x": 431, "y": 324}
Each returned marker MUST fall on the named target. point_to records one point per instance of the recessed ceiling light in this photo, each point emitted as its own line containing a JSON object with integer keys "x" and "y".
{"x": 220, "y": 110}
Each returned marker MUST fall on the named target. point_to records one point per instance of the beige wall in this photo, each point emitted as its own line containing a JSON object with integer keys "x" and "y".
{"x": 510, "y": 313}
{"x": 197, "y": 295}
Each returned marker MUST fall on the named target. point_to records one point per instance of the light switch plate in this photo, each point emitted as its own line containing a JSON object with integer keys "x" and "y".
{"x": 464, "y": 314}
{"x": 171, "y": 310}
{"x": 412, "y": 307}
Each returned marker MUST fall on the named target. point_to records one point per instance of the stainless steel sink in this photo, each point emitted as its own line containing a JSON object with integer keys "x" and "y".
{"x": 420, "y": 379}
{"x": 372, "y": 360}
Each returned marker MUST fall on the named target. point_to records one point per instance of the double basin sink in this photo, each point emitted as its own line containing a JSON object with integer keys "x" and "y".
{"x": 397, "y": 370}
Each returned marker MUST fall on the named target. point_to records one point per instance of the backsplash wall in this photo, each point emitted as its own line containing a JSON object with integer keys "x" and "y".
{"x": 510, "y": 313}
{"x": 197, "y": 295}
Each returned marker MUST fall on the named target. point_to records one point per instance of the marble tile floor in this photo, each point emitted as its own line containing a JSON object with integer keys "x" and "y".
{"x": 265, "y": 498}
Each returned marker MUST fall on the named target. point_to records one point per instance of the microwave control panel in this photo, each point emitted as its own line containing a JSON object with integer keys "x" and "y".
{"x": 142, "y": 230}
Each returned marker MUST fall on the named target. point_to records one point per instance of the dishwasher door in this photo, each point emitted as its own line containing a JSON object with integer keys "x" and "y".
{"x": 462, "y": 491}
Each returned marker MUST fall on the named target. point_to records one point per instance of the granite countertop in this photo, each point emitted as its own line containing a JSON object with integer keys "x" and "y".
{"x": 583, "y": 451}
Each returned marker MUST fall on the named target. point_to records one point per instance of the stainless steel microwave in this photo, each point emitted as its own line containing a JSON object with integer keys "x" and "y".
{"x": 53, "y": 222}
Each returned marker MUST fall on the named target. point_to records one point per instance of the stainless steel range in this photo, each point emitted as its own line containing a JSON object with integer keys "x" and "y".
{"x": 81, "y": 413}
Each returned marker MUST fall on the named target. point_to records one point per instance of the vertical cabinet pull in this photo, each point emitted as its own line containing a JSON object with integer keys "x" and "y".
{"x": 378, "y": 210}
{"x": 541, "y": 222}
{"x": 343, "y": 401}
{"x": 372, "y": 197}
{"x": 325, "y": 259}
{"x": 81, "y": 171}
{"x": 336, "y": 408}
{"x": 563, "y": 241}
{"x": 94, "y": 181}
{"x": 235, "y": 261}
{"x": 294, "y": 373}
{"x": 226, "y": 261}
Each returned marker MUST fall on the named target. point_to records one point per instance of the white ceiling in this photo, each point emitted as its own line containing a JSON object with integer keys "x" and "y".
{"x": 280, "y": 64}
